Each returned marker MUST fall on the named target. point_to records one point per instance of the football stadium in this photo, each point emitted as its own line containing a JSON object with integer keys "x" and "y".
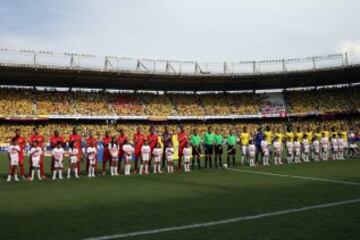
{"x": 109, "y": 147}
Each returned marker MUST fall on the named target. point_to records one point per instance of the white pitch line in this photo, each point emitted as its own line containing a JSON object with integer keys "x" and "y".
{"x": 294, "y": 176}
{"x": 224, "y": 221}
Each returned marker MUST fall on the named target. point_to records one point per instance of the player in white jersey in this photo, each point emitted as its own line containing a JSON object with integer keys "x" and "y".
{"x": 91, "y": 153}
{"x": 334, "y": 147}
{"x": 157, "y": 153}
{"x": 341, "y": 148}
{"x": 169, "y": 153}
{"x": 252, "y": 153}
{"x": 128, "y": 152}
{"x": 290, "y": 151}
{"x": 35, "y": 155}
{"x": 114, "y": 154}
{"x": 73, "y": 160}
{"x": 297, "y": 150}
{"x": 324, "y": 142}
{"x": 306, "y": 149}
{"x": 277, "y": 147}
{"x": 265, "y": 151}
{"x": 187, "y": 156}
{"x": 316, "y": 148}
{"x": 13, "y": 155}
{"x": 145, "y": 157}
{"x": 58, "y": 156}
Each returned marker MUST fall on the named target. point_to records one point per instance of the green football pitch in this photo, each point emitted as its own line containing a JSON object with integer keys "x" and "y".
{"x": 305, "y": 201}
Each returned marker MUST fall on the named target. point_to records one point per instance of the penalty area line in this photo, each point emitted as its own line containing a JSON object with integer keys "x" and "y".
{"x": 295, "y": 176}
{"x": 224, "y": 221}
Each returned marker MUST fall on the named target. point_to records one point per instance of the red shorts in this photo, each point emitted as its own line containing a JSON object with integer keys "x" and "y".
{"x": 181, "y": 149}
{"x": 107, "y": 155}
{"x": 137, "y": 152}
{"x": 21, "y": 159}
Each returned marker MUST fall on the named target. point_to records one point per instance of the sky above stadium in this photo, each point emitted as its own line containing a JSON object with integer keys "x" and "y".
{"x": 204, "y": 30}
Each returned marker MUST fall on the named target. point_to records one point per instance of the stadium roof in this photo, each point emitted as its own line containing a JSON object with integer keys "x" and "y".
{"x": 47, "y": 69}
{"x": 29, "y": 76}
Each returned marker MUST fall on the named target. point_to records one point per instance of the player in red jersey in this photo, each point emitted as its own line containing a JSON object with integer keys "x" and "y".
{"x": 76, "y": 139}
{"x": 121, "y": 139}
{"x": 40, "y": 139}
{"x": 21, "y": 141}
{"x": 139, "y": 139}
{"x": 106, "y": 157}
{"x": 183, "y": 140}
{"x": 153, "y": 139}
{"x": 91, "y": 141}
{"x": 54, "y": 140}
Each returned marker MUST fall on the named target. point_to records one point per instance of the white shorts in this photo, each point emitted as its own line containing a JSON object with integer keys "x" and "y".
{"x": 14, "y": 162}
{"x": 58, "y": 164}
{"x": 157, "y": 159}
{"x": 73, "y": 159}
{"x": 145, "y": 158}
{"x": 35, "y": 163}
{"x": 244, "y": 149}
{"x": 346, "y": 144}
{"x": 92, "y": 161}
{"x": 170, "y": 159}
{"x": 187, "y": 159}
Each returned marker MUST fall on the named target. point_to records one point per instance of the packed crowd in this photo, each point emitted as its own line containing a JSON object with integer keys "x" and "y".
{"x": 26, "y": 102}
{"x": 323, "y": 100}
{"x": 157, "y": 150}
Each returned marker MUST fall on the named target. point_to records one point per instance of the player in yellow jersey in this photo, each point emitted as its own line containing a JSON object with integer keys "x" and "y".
{"x": 344, "y": 135}
{"x": 289, "y": 135}
{"x": 326, "y": 132}
{"x": 268, "y": 135}
{"x": 279, "y": 135}
{"x": 244, "y": 142}
{"x": 333, "y": 132}
{"x": 299, "y": 134}
{"x": 318, "y": 134}
{"x": 309, "y": 134}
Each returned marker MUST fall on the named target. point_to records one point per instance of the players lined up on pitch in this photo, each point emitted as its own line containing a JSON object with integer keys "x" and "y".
{"x": 147, "y": 151}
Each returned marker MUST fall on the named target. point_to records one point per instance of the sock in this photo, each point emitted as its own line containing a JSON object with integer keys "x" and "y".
{"x": 141, "y": 168}
{"x": 32, "y": 174}
{"x": 69, "y": 171}
{"x": 38, "y": 173}
{"x": 76, "y": 172}
{"x": 54, "y": 174}
{"x": 60, "y": 174}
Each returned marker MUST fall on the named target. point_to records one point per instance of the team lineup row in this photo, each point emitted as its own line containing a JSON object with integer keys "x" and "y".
{"x": 143, "y": 150}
